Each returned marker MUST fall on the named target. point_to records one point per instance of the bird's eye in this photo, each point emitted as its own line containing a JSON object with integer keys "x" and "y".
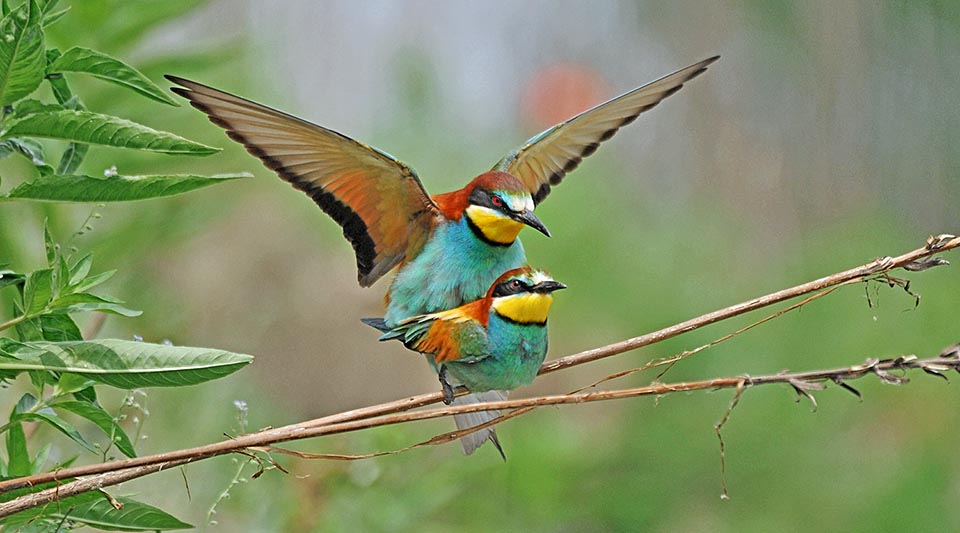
{"x": 508, "y": 287}
{"x": 497, "y": 201}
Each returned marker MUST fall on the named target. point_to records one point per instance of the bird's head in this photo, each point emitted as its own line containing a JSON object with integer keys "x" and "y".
{"x": 499, "y": 205}
{"x": 523, "y": 295}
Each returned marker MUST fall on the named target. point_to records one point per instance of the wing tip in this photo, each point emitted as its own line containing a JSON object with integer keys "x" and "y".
{"x": 696, "y": 70}
{"x": 185, "y": 85}
{"x": 182, "y": 91}
{"x": 365, "y": 279}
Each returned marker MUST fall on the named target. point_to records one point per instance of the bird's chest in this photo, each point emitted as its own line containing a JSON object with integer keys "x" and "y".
{"x": 453, "y": 268}
{"x": 515, "y": 353}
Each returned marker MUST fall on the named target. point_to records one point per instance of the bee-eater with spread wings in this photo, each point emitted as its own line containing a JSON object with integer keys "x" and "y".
{"x": 449, "y": 247}
{"x": 491, "y": 345}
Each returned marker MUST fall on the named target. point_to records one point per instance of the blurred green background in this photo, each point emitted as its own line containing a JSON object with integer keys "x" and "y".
{"x": 823, "y": 138}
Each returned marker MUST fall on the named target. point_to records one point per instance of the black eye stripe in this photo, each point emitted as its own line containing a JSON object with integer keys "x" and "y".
{"x": 486, "y": 199}
{"x": 513, "y": 286}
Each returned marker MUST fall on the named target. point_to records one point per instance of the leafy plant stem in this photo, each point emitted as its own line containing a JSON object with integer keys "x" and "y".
{"x": 13, "y": 322}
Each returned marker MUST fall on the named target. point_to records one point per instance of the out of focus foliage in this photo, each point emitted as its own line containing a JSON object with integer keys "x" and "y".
{"x": 42, "y": 348}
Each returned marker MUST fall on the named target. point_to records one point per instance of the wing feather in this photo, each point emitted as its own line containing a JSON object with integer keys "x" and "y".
{"x": 378, "y": 201}
{"x": 452, "y": 335}
{"x": 547, "y": 157}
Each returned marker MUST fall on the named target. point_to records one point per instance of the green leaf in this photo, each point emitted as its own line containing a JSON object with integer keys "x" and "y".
{"x": 59, "y": 328}
{"x": 80, "y": 269}
{"x": 12, "y": 352}
{"x": 47, "y": 5}
{"x": 29, "y": 330}
{"x": 61, "y": 273}
{"x": 24, "y": 404}
{"x": 79, "y": 59}
{"x": 9, "y": 277}
{"x": 72, "y": 157}
{"x": 88, "y": 283}
{"x": 40, "y": 379}
{"x": 31, "y": 106}
{"x": 94, "y": 128}
{"x": 17, "y": 455}
{"x": 71, "y": 383}
{"x": 52, "y": 18}
{"x": 114, "y": 188}
{"x": 61, "y": 89}
{"x": 88, "y": 395}
{"x": 102, "y": 420}
{"x": 86, "y": 302}
{"x": 48, "y": 416}
{"x": 22, "y": 58}
{"x": 93, "y": 509}
{"x": 123, "y": 364}
{"x": 30, "y": 149}
{"x": 53, "y": 327}
{"x": 36, "y": 466}
{"x": 37, "y": 291}
{"x": 48, "y": 245}
{"x": 52, "y": 55}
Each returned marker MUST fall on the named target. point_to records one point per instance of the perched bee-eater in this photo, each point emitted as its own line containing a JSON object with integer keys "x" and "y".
{"x": 449, "y": 247}
{"x": 490, "y": 345}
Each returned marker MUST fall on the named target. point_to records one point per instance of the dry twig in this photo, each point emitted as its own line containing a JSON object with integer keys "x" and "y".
{"x": 114, "y": 472}
{"x": 801, "y": 382}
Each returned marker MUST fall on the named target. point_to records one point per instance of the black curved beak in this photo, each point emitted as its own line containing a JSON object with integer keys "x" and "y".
{"x": 547, "y": 286}
{"x": 528, "y": 218}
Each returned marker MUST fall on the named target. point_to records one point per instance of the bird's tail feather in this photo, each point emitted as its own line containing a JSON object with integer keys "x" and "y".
{"x": 468, "y": 420}
{"x": 378, "y": 323}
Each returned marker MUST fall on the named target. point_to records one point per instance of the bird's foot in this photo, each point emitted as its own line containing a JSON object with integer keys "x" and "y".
{"x": 445, "y": 385}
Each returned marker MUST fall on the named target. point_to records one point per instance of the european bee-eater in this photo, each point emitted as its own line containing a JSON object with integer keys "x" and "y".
{"x": 490, "y": 345}
{"x": 449, "y": 247}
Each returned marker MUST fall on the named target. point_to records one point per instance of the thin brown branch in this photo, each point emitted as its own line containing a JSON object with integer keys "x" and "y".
{"x": 394, "y": 412}
{"x": 674, "y": 359}
{"x": 918, "y": 258}
{"x": 718, "y": 428}
{"x": 949, "y": 360}
{"x": 915, "y": 260}
{"x": 72, "y": 488}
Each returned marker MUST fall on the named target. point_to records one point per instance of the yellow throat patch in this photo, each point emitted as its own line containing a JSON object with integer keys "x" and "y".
{"x": 494, "y": 225}
{"x": 524, "y": 308}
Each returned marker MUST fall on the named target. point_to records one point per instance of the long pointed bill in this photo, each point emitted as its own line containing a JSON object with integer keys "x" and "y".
{"x": 528, "y": 218}
{"x": 547, "y": 286}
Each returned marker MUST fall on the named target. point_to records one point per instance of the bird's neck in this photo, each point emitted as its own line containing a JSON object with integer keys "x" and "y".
{"x": 492, "y": 226}
{"x": 526, "y": 308}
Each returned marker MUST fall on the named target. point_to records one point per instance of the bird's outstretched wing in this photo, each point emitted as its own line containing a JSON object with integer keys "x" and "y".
{"x": 379, "y": 201}
{"x": 452, "y": 335}
{"x": 547, "y": 157}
